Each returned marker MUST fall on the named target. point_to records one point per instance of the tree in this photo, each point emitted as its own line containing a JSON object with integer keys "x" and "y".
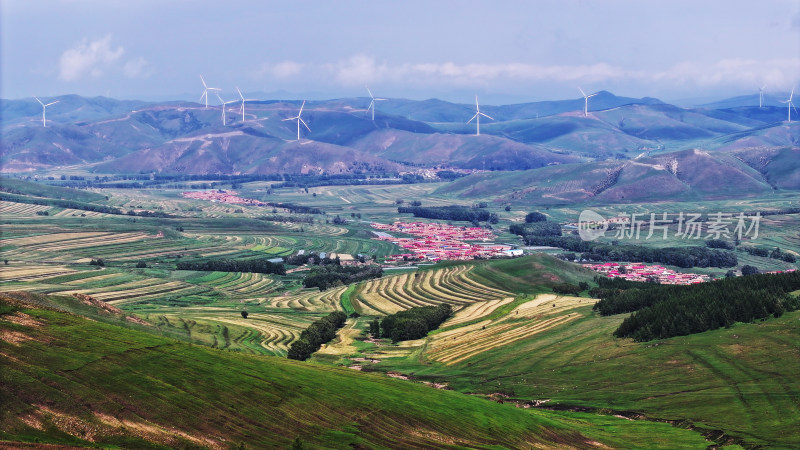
{"x": 245, "y": 314}
{"x": 141, "y": 265}
{"x": 749, "y": 270}
{"x": 375, "y": 328}
{"x": 508, "y": 208}
{"x": 535, "y": 217}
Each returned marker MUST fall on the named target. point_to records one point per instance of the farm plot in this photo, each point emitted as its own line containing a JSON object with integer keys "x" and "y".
{"x": 310, "y": 300}
{"x": 239, "y": 283}
{"x": 430, "y": 287}
{"x": 542, "y": 314}
{"x": 20, "y": 209}
{"x": 29, "y": 273}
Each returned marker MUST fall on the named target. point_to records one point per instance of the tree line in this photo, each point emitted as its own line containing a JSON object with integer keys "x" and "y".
{"x": 663, "y": 311}
{"x": 261, "y": 265}
{"x": 414, "y": 323}
{"x": 454, "y": 213}
{"x": 328, "y": 276}
{"x": 318, "y": 333}
{"x": 685, "y": 257}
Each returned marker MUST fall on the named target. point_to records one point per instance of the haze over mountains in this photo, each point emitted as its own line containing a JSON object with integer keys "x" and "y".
{"x": 721, "y": 149}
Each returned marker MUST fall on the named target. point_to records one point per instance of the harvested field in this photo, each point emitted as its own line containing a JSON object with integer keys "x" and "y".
{"x": 539, "y": 315}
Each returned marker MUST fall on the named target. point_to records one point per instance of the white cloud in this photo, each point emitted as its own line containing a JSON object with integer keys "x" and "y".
{"x": 283, "y": 69}
{"x": 361, "y": 69}
{"x": 137, "y": 68}
{"x": 90, "y": 58}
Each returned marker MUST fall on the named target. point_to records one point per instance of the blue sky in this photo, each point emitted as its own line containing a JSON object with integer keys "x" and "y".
{"x": 505, "y": 51}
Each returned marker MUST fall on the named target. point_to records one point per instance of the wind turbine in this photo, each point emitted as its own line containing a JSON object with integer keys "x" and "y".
{"x": 299, "y": 120}
{"x": 790, "y": 105}
{"x": 206, "y": 89}
{"x": 477, "y": 117}
{"x": 586, "y": 101}
{"x": 223, "y": 107}
{"x": 761, "y": 96}
{"x": 244, "y": 100}
{"x": 372, "y": 103}
{"x": 44, "y": 108}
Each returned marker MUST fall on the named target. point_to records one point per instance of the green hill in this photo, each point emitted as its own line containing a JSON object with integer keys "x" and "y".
{"x": 72, "y": 381}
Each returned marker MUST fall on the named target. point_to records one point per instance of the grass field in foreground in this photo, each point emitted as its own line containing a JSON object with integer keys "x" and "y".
{"x": 741, "y": 380}
{"x": 68, "y": 380}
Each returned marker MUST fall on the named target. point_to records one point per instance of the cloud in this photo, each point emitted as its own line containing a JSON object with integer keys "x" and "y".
{"x": 361, "y": 69}
{"x": 283, "y": 69}
{"x": 90, "y": 58}
{"x": 137, "y": 68}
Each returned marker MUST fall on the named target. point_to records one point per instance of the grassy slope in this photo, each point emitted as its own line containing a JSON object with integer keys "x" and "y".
{"x": 68, "y": 380}
{"x": 741, "y": 380}
{"x": 44, "y": 190}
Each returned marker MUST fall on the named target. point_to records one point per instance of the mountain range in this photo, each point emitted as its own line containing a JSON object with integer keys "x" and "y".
{"x": 636, "y": 139}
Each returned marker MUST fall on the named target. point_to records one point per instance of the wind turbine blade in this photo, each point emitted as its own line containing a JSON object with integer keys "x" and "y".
{"x": 240, "y": 93}
{"x": 484, "y": 115}
{"x": 220, "y": 98}
{"x": 204, "y": 82}
{"x": 304, "y": 123}
{"x": 380, "y": 99}
{"x": 301, "y": 109}
{"x": 371, "y": 105}
{"x": 590, "y": 96}
{"x": 214, "y": 89}
{"x": 37, "y": 99}
{"x": 582, "y": 93}
{"x": 470, "y": 120}
{"x": 290, "y": 118}
{"x": 370, "y": 92}
{"x": 53, "y": 103}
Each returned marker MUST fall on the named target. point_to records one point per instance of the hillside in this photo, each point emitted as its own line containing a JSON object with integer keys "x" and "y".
{"x": 685, "y": 175}
{"x": 147, "y": 391}
{"x": 111, "y": 136}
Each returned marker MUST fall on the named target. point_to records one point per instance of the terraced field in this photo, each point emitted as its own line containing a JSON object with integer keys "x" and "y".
{"x": 310, "y": 300}
{"x": 451, "y": 285}
{"x": 21, "y": 209}
{"x": 543, "y": 313}
{"x": 237, "y": 284}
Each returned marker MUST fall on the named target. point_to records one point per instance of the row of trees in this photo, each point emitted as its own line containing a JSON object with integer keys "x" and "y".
{"x": 296, "y": 209}
{"x": 233, "y": 265}
{"x": 533, "y": 229}
{"x": 662, "y": 311}
{"x": 775, "y": 253}
{"x": 414, "y": 323}
{"x": 676, "y": 256}
{"x": 287, "y": 219}
{"x": 332, "y": 275}
{"x": 318, "y": 333}
{"x": 570, "y": 289}
{"x": 454, "y": 213}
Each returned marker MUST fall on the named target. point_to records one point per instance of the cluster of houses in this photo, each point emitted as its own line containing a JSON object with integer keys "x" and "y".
{"x": 641, "y": 272}
{"x": 222, "y": 197}
{"x": 436, "y": 242}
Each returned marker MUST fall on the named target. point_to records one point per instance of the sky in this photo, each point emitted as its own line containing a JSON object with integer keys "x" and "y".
{"x": 504, "y": 51}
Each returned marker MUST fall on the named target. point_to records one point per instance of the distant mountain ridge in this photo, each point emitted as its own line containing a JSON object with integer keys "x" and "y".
{"x": 112, "y": 136}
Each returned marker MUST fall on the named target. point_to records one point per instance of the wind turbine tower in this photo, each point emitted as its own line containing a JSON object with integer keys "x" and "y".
{"x": 477, "y": 117}
{"x": 790, "y": 105}
{"x": 372, "y": 103}
{"x": 586, "y": 101}
{"x": 299, "y": 120}
{"x": 224, "y": 103}
{"x": 206, "y": 89}
{"x": 44, "y": 109}
{"x": 761, "y": 97}
{"x": 244, "y": 100}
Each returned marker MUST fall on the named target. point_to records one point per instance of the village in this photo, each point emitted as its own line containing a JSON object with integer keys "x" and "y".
{"x": 644, "y": 273}
{"x": 438, "y": 242}
{"x": 222, "y": 197}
